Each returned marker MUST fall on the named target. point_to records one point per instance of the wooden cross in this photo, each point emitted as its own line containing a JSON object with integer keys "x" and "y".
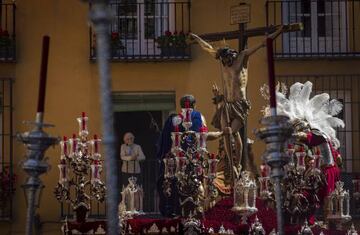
{"x": 242, "y": 35}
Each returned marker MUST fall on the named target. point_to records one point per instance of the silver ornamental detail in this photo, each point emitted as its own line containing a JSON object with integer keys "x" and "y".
{"x": 192, "y": 226}
{"x": 305, "y": 229}
{"x": 256, "y": 228}
{"x": 245, "y": 196}
{"x": 37, "y": 141}
{"x": 339, "y": 205}
{"x": 273, "y": 232}
{"x": 222, "y": 230}
{"x": 276, "y": 131}
{"x": 352, "y": 231}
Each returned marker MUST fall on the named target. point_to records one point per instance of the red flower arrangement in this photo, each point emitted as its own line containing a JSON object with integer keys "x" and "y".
{"x": 172, "y": 40}
{"x": 115, "y": 41}
{"x": 5, "y": 40}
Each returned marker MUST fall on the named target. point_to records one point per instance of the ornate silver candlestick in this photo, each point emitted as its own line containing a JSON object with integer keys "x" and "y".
{"x": 37, "y": 142}
{"x": 80, "y": 171}
{"x": 275, "y": 133}
{"x": 191, "y": 165}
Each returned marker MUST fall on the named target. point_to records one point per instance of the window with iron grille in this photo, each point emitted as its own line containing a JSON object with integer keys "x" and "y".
{"x": 344, "y": 88}
{"x": 331, "y": 27}
{"x": 7, "y": 176}
{"x": 7, "y": 32}
{"x": 148, "y": 30}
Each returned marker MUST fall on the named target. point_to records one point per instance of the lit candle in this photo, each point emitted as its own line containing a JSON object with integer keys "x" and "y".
{"x": 271, "y": 75}
{"x": 212, "y": 164}
{"x": 63, "y": 171}
{"x": 175, "y": 137}
{"x": 290, "y": 146}
{"x": 187, "y": 118}
{"x": 265, "y": 171}
{"x": 64, "y": 147}
{"x": 301, "y": 158}
{"x": 203, "y": 136}
{"x": 95, "y": 169}
{"x": 43, "y": 74}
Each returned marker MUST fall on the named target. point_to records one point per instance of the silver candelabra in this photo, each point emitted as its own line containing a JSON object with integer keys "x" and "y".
{"x": 80, "y": 168}
{"x": 191, "y": 165}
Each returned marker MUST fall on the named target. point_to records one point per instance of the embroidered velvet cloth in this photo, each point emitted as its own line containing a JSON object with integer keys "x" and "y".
{"x": 221, "y": 215}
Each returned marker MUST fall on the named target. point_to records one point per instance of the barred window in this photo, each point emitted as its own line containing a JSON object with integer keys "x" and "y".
{"x": 149, "y": 29}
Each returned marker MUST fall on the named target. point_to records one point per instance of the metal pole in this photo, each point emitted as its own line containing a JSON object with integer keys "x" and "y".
{"x": 278, "y": 199}
{"x": 100, "y": 17}
{"x": 32, "y": 185}
{"x": 276, "y": 131}
{"x": 30, "y": 211}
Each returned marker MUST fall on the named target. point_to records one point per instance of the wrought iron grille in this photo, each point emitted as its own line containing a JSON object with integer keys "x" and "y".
{"x": 7, "y": 175}
{"x": 7, "y": 32}
{"x": 344, "y": 88}
{"x": 147, "y": 30}
{"x": 97, "y": 209}
{"x": 148, "y": 178}
{"x": 331, "y": 28}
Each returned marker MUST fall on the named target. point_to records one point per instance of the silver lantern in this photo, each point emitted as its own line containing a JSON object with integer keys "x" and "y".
{"x": 245, "y": 191}
{"x": 339, "y": 205}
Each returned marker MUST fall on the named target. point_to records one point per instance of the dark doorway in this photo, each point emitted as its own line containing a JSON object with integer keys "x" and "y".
{"x": 145, "y": 125}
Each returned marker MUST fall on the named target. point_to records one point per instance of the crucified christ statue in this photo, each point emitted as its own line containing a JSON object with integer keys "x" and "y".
{"x": 232, "y": 106}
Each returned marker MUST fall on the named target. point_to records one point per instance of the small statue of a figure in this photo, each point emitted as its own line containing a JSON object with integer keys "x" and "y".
{"x": 132, "y": 198}
{"x": 232, "y": 106}
{"x": 130, "y": 154}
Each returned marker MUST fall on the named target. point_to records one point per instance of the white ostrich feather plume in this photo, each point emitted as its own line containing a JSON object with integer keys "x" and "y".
{"x": 319, "y": 111}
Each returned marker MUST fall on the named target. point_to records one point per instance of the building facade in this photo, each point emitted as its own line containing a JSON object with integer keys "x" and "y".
{"x": 149, "y": 75}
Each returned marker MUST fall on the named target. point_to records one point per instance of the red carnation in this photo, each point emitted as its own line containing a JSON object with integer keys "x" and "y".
{"x": 114, "y": 35}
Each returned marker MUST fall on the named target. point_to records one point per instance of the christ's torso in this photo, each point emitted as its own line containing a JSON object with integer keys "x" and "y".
{"x": 235, "y": 82}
